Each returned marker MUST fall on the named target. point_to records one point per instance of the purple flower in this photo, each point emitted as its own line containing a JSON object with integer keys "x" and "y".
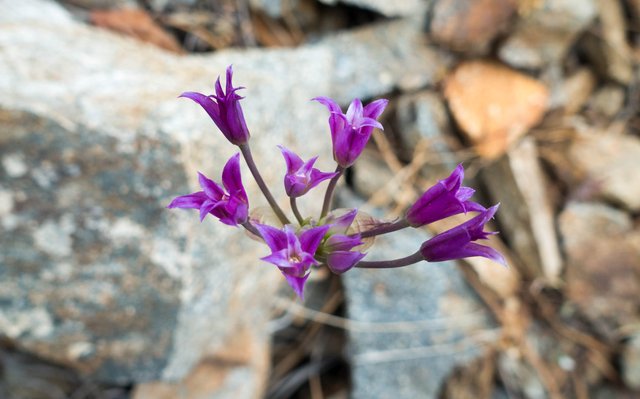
{"x": 350, "y": 132}
{"x": 293, "y": 253}
{"x": 231, "y": 206}
{"x": 337, "y": 249}
{"x": 301, "y": 176}
{"x": 456, "y": 243}
{"x": 225, "y": 110}
{"x": 446, "y": 198}
{"x": 340, "y": 257}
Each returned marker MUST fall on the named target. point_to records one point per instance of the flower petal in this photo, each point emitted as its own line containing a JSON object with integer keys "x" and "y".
{"x": 293, "y": 161}
{"x": 280, "y": 259}
{"x": 206, "y": 207}
{"x": 297, "y": 283}
{"x": 310, "y": 239}
{"x": 229, "y": 78}
{"x": 318, "y": 177}
{"x": 210, "y": 106}
{"x": 189, "y": 201}
{"x": 211, "y": 188}
{"x": 375, "y": 108}
{"x": 276, "y": 239}
{"x": 232, "y": 178}
{"x": 341, "y": 261}
{"x": 331, "y": 105}
{"x": 370, "y": 122}
{"x": 341, "y": 223}
{"x": 474, "y": 249}
{"x": 341, "y": 242}
{"x": 354, "y": 112}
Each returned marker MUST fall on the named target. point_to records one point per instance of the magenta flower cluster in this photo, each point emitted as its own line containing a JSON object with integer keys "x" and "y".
{"x": 331, "y": 238}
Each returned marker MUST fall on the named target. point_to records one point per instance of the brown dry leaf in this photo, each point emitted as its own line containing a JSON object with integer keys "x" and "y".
{"x": 494, "y": 105}
{"x": 136, "y": 23}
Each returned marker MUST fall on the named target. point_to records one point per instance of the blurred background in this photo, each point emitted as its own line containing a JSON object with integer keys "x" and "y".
{"x": 106, "y": 294}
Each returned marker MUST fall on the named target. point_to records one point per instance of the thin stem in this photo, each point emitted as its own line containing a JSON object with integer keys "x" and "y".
{"x": 251, "y": 228}
{"x": 246, "y": 152}
{"x": 385, "y": 228}
{"x": 296, "y": 212}
{"x": 328, "y": 195}
{"x": 390, "y": 264}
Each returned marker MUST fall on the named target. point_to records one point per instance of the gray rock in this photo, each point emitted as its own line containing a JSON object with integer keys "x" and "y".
{"x": 602, "y": 249}
{"x": 387, "y": 8}
{"x": 383, "y": 57}
{"x": 413, "y": 325}
{"x": 631, "y": 363}
{"x": 422, "y": 116}
{"x": 570, "y": 92}
{"x": 607, "y": 100}
{"x": 370, "y": 173}
{"x": 610, "y": 161}
{"x": 470, "y": 25}
{"x": 543, "y": 35}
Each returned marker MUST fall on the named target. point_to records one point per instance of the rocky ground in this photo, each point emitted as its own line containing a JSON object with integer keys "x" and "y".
{"x": 106, "y": 294}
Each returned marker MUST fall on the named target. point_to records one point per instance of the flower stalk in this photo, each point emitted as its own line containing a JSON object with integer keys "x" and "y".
{"x": 328, "y": 195}
{"x": 391, "y": 264}
{"x": 246, "y": 153}
{"x": 385, "y": 228}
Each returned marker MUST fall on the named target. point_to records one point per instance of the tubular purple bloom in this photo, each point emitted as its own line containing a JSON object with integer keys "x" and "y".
{"x": 230, "y": 204}
{"x": 224, "y": 109}
{"x": 456, "y": 243}
{"x": 446, "y": 198}
{"x": 340, "y": 224}
{"x": 301, "y": 176}
{"x": 293, "y": 253}
{"x": 340, "y": 256}
{"x": 350, "y": 132}
{"x": 338, "y": 247}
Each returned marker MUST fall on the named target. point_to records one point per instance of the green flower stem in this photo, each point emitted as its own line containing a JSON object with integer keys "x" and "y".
{"x": 385, "y": 228}
{"x": 390, "y": 264}
{"x": 246, "y": 152}
{"x": 296, "y": 212}
{"x": 328, "y": 195}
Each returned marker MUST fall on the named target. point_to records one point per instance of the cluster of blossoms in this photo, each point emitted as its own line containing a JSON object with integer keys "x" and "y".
{"x": 330, "y": 239}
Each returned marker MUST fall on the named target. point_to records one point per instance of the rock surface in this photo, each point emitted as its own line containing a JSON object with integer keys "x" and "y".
{"x": 493, "y": 104}
{"x": 415, "y": 324}
{"x": 95, "y": 144}
{"x": 423, "y": 116}
{"x": 383, "y": 57}
{"x": 602, "y": 249}
{"x": 469, "y": 25}
{"x": 609, "y": 161}
{"x": 545, "y": 32}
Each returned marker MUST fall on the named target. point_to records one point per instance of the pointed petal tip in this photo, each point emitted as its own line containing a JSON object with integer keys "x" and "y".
{"x": 297, "y": 283}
